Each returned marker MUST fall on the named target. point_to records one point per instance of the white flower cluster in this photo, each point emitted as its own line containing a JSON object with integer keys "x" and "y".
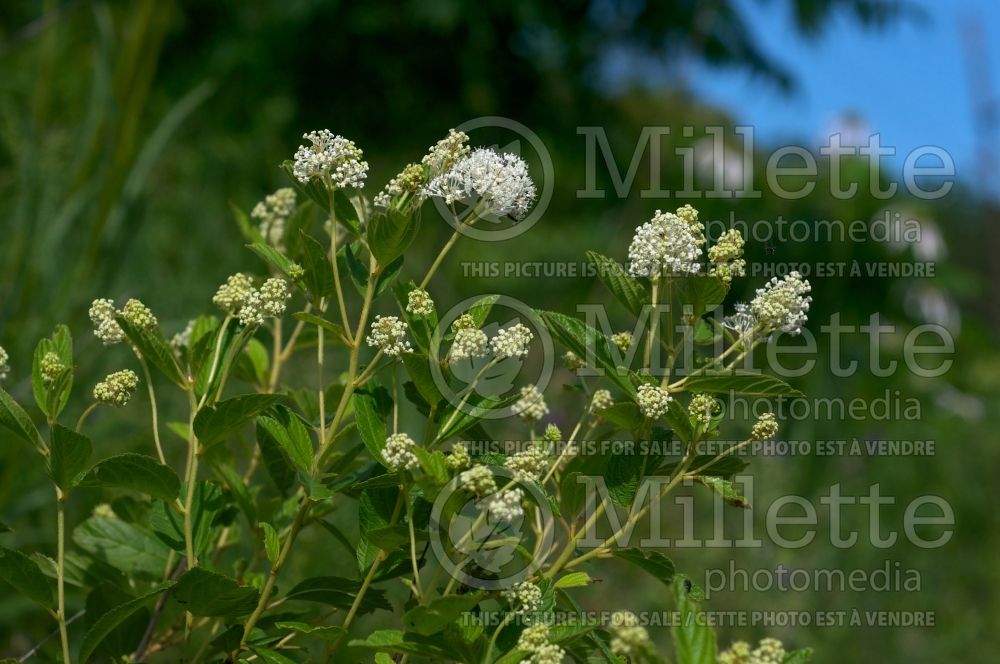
{"x": 782, "y": 304}
{"x": 268, "y": 302}
{"x": 4, "y": 364}
{"x": 51, "y": 367}
{"x": 331, "y": 158}
{"x": 272, "y": 213}
{"x": 765, "y": 427}
{"x": 653, "y": 401}
{"x": 442, "y": 155}
{"x": 398, "y": 452}
{"x": 409, "y": 181}
{"x": 524, "y": 597}
{"x": 506, "y": 505}
{"x": 623, "y": 340}
{"x": 742, "y": 324}
{"x": 531, "y": 406}
{"x": 470, "y": 342}
{"x": 629, "y": 638}
{"x": 768, "y": 651}
{"x": 230, "y": 295}
{"x": 528, "y": 464}
{"x": 602, "y": 399}
{"x": 497, "y": 183}
{"x": 703, "y": 408}
{"x": 419, "y": 303}
{"x": 667, "y": 244}
{"x": 573, "y": 361}
{"x": 726, "y": 257}
{"x": 478, "y": 480}
{"x": 106, "y": 328}
{"x": 183, "y": 338}
{"x": 117, "y": 388}
{"x": 514, "y": 341}
{"x": 388, "y": 334}
{"x": 535, "y": 640}
{"x": 459, "y": 458}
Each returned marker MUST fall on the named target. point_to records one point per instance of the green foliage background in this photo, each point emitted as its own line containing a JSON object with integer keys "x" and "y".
{"x": 127, "y": 128}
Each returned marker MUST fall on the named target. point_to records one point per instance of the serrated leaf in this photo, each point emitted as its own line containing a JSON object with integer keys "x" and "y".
{"x": 68, "y": 456}
{"x": 573, "y": 580}
{"x": 419, "y": 370}
{"x": 370, "y": 420}
{"x": 24, "y": 574}
{"x": 622, "y": 285}
{"x": 802, "y": 656}
{"x": 329, "y": 633}
{"x": 122, "y": 545}
{"x": 740, "y": 382}
{"x": 390, "y": 234}
{"x": 651, "y": 562}
{"x": 277, "y": 260}
{"x": 136, "y": 472}
{"x": 338, "y": 592}
{"x": 481, "y": 308}
{"x": 318, "y": 269}
{"x": 726, "y": 489}
{"x": 213, "y": 423}
{"x": 588, "y": 344}
{"x": 112, "y": 619}
{"x": 168, "y": 524}
{"x": 272, "y": 543}
{"x": 206, "y": 593}
{"x": 268, "y": 656}
{"x": 289, "y": 432}
{"x": 156, "y": 350}
{"x": 438, "y": 613}
{"x": 395, "y": 641}
{"x": 13, "y": 417}
{"x": 724, "y": 467}
{"x": 51, "y": 397}
{"x": 694, "y": 641}
{"x": 339, "y": 336}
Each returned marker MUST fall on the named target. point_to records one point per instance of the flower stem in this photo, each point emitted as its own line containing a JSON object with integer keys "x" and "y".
{"x": 152, "y": 407}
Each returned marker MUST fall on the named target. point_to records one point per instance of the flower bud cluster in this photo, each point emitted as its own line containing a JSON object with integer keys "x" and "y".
{"x": 531, "y": 406}
{"x": 653, "y": 401}
{"x": 388, "y": 334}
{"x": 272, "y": 213}
{"x": 398, "y": 452}
{"x": 117, "y": 388}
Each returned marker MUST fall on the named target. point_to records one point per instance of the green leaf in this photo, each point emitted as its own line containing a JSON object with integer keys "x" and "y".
{"x": 206, "y": 593}
{"x": 802, "y": 656}
{"x": 213, "y": 423}
{"x": 694, "y": 641}
{"x": 625, "y": 414}
{"x": 475, "y": 409}
{"x": 287, "y": 430}
{"x": 395, "y": 641}
{"x": 68, "y": 456}
{"x": 726, "y": 489}
{"x": 573, "y": 580}
{"x": 375, "y": 510}
{"x": 419, "y": 370}
{"x": 112, "y": 619}
{"x": 337, "y": 592}
{"x": 740, "y": 382}
{"x": 339, "y": 336}
{"x": 622, "y": 285}
{"x": 370, "y": 419}
{"x": 439, "y": 613}
{"x": 319, "y": 272}
{"x": 249, "y": 231}
{"x": 51, "y": 397}
{"x": 272, "y": 543}
{"x": 124, "y": 638}
{"x": 122, "y": 545}
{"x": 274, "y": 258}
{"x": 481, "y": 308}
{"x": 152, "y": 346}
{"x": 588, "y": 344}
{"x": 268, "y": 656}
{"x": 703, "y": 293}
{"x": 25, "y": 576}
{"x": 346, "y": 212}
{"x": 136, "y": 472}
{"x": 233, "y": 481}
{"x": 276, "y": 460}
{"x": 14, "y": 418}
{"x": 390, "y": 234}
{"x": 651, "y": 562}
{"x": 168, "y": 524}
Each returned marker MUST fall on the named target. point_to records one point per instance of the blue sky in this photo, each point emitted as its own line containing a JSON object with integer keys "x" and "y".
{"x": 909, "y": 82}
